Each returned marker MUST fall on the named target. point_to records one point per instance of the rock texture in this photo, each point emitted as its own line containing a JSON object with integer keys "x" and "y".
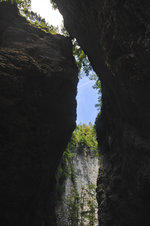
{"x": 85, "y": 165}
{"x": 38, "y": 79}
{"x": 116, "y": 37}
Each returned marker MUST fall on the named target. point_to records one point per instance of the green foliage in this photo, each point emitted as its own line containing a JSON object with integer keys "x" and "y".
{"x": 84, "y": 136}
{"x": 84, "y": 65}
{"x": 82, "y": 61}
{"x": 91, "y": 216}
{"x": 33, "y": 18}
{"x": 37, "y": 21}
{"x": 80, "y": 207}
{"x": 73, "y": 208}
{"x": 98, "y": 87}
{"x": 42, "y": 25}
{"x": 26, "y": 4}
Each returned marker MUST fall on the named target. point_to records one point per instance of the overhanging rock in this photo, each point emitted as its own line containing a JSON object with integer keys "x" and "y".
{"x": 115, "y": 36}
{"x": 38, "y": 80}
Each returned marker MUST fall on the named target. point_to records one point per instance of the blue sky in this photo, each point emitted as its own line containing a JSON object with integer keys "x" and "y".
{"x": 87, "y": 97}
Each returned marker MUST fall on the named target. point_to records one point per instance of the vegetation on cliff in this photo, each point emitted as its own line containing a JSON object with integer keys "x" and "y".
{"x": 33, "y": 18}
{"x": 80, "y": 207}
{"x": 84, "y": 136}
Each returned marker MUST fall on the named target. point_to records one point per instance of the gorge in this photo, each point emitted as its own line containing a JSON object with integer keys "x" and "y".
{"x": 38, "y": 109}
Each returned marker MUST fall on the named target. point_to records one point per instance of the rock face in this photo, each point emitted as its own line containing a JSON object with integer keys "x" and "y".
{"x": 38, "y": 79}
{"x": 116, "y": 37}
{"x": 85, "y": 167}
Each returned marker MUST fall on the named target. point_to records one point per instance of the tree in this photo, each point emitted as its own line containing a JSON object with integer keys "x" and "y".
{"x": 81, "y": 58}
{"x": 84, "y": 136}
{"x": 98, "y": 87}
{"x": 26, "y": 4}
{"x": 84, "y": 65}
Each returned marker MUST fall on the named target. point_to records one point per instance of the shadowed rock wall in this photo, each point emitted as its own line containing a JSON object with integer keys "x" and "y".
{"x": 116, "y": 37}
{"x": 38, "y": 80}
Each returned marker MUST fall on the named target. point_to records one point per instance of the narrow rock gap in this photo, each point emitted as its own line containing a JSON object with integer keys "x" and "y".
{"x": 78, "y": 170}
{"x": 38, "y": 112}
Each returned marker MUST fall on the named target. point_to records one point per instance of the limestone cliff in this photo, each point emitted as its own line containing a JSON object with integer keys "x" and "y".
{"x": 84, "y": 170}
{"x": 116, "y": 37}
{"x": 38, "y": 79}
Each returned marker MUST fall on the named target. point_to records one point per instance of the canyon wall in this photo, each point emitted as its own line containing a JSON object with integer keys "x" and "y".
{"x": 116, "y": 37}
{"x": 80, "y": 183}
{"x": 38, "y": 80}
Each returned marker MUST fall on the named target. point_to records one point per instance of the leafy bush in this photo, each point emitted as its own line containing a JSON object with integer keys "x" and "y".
{"x": 81, "y": 58}
{"x": 84, "y": 136}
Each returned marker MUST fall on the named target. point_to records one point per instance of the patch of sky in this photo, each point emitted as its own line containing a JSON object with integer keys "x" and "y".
{"x": 87, "y": 97}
